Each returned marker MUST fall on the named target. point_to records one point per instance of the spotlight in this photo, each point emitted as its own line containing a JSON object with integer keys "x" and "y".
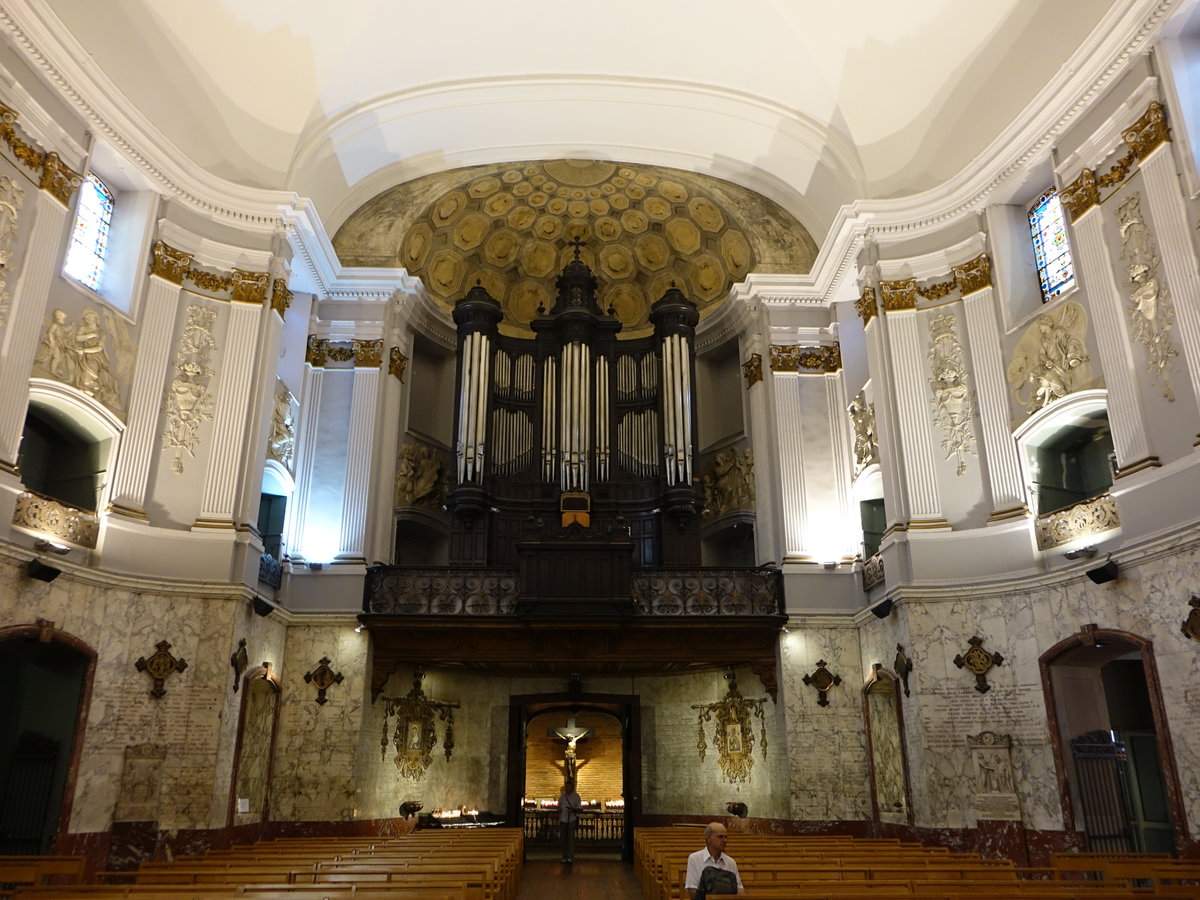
{"x": 1081, "y": 553}
{"x": 882, "y": 610}
{"x": 44, "y": 546}
{"x": 263, "y": 607}
{"x": 42, "y": 572}
{"x": 1105, "y": 573}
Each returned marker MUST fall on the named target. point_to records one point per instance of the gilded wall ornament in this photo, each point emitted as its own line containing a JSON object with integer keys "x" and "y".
{"x": 12, "y": 195}
{"x": 161, "y": 665}
{"x": 865, "y": 305}
{"x": 898, "y": 295}
{"x": 339, "y": 351}
{"x": 752, "y": 370}
{"x": 733, "y": 731}
{"x": 1051, "y": 360}
{"x": 91, "y": 355}
{"x": 281, "y": 297}
{"x": 56, "y": 521}
{"x": 1149, "y": 132}
{"x": 1191, "y": 625}
{"x": 397, "y": 364}
{"x": 212, "y": 282}
{"x": 823, "y": 680}
{"x": 1151, "y": 309}
{"x": 953, "y": 400}
{"x": 282, "y": 444}
{"x": 420, "y": 477}
{"x": 866, "y": 443}
{"x": 187, "y": 402}
{"x": 978, "y": 662}
{"x": 795, "y": 358}
{"x": 367, "y": 354}
{"x": 169, "y": 263}
{"x": 323, "y": 678}
{"x": 415, "y": 734}
{"x": 728, "y": 483}
{"x": 27, "y": 154}
{"x": 938, "y": 289}
{"x": 974, "y": 275}
{"x": 1082, "y": 519}
{"x": 58, "y": 179}
{"x": 238, "y": 660}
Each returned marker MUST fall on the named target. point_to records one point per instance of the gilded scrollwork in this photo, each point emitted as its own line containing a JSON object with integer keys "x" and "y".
{"x": 314, "y": 351}
{"x": 169, "y": 263}
{"x": 249, "y": 287}
{"x": 28, "y": 155}
{"x": 1080, "y": 520}
{"x": 796, "y": 358}
{"x": 938, "y": 289}
{"x": 58, "y": 179}
{"x": 1051, "y": 360}
{"x": 953, "y": 399}
{"x": 82, "y": 354}
{"x": 281, "y": 297}
{"x": 974, "y": 275}
{"x": 187, "y": 402}
{"x": 397, "y": 364}
{"x": 733, "y": 731}
{"x": 57, "y": 521}
{"x": 414, "y": 734}
{"x": 1149, "y": 132}
{"x": 1151, "y": 309}
{"x": 367, "y": 354}
{"x": 1080, "y": 195}
{"x": 866, "y": 443}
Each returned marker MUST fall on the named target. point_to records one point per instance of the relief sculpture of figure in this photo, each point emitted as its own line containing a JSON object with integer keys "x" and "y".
{"x": 1051, "y": 360}
{"x": 56, "y": 354}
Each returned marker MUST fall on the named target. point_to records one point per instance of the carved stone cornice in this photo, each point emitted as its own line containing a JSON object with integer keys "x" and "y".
{"x": 58, "y": 179}
{"x": 281, "y": 297}
{"x": 974, "y": 275}
{"x": 168, "y": 263}
{"x": 1149, "y": 132}
{"x": 367, "y": 354}
{"x": 793, "y": 358}
{"x": 899, "y": 295}
{"x": 752, "y": 370}
{"x": 865, "y": 305}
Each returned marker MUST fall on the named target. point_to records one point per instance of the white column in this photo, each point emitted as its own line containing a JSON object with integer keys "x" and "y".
{"x": 1170, "y": 218}
{"x": 891, "y": 458}
{"x": 261, "y": 407}
{"x": 223, "y": 476}
{"x": 43, "y": 260}
{"x": 1001, "y": 462}
{"x": 393, "y": 412}
{"x": 847, "y": 520}
{"x": 911, "y": 391}
{"x": 358, "y": 461}
{"x": 139, "y": 443}
{"x": 1126, "y": 417}
{"x": 762, "y": 424}
{"x": 308, "y": 430}
{"x": 791, "y": 462}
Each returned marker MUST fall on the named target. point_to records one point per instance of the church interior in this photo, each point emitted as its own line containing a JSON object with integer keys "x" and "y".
{"x": 787, "y": 416}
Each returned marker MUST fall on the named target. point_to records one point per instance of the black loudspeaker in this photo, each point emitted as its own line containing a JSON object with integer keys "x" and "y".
{"x": 1104, "y": 573}
{"x": 882, "y": 610}
{"x": 42, "y": 572}
{"x": 263, "y": 607}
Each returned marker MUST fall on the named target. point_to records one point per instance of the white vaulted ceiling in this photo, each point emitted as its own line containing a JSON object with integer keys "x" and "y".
{"x": 813, "y": 104}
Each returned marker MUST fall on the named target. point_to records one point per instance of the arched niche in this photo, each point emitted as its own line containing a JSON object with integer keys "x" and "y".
{"x": 883, "y": 716}
{"x": 250, "y": 796}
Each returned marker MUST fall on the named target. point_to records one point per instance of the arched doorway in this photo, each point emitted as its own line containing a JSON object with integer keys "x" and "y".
{"x": 884, "y": 721}
{"x": 1113, "y": 752}
{"x": 607, "y": 767}
{"x": 250, "y": 797}
{"x": 47, "y": 678}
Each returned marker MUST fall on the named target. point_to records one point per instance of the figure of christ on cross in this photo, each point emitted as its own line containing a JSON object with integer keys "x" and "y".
{"x": 571, "y": 735}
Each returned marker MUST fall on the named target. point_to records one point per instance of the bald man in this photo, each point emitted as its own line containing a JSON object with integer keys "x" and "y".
{"x": 713, "y": 854}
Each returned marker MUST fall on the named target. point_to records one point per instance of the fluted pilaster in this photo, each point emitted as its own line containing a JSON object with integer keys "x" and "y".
{"x": 791, "y": 462}
{"x": 308, "y": 430}
{"x": 913, "y": 420}
{"x": 355, "y": 500}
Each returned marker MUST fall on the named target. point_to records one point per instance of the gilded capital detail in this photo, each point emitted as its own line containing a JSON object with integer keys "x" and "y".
{"x": 367, "y": 354}
{"x": 314, "y": 352}
{"x": 397, "y": 364}
{"x": 1080, "y": 195}
{"x": 1149, "y": 132}
{"x": 899, "y": 295}
{"x": 281, "y": 297}
{"x": 752, "y": 370}
{"x": 793, "y": 358}
{"x": 1083, "y": 519}
{"x": 865, "y": 305}
{"x": 58, "y": 180}
{"x": 974, "y": 275}
{"x": 169, "y": 263}
{"x": 248, "y": 287}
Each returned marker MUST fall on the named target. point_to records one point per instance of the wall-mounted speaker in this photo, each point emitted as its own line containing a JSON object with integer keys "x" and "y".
{"x": 263, "y": 607}
{"x": 1104, "y": 573}
{"x": 42, "y": 572}
{"x": 882, "y": 610}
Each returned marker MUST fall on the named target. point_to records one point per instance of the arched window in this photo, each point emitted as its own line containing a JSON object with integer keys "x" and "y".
{"x": 88, "y": 251}
{"x": 1048, "y": 227}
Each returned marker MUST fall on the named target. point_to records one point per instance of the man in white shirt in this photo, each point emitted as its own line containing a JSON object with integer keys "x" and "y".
{"x": 713, "y": 854}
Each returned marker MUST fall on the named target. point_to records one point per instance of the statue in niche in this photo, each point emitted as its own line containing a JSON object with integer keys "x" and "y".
{"x": 78, "y": 354}
{"x": 866, "y": 444}
{"x": 282, "y": 444}
{"x": 729, "y": 484}
{"x": 994, "y": 774}
{"x": 1051, "y": 360}
{"x": 1151, "y": 310}
{"x": 419, "y": 477}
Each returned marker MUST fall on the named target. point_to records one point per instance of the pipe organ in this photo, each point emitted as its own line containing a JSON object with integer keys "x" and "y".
{"x": 574, "y": 432}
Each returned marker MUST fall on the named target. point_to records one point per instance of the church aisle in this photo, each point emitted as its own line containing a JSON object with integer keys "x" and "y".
{"x": 587, "y": 879}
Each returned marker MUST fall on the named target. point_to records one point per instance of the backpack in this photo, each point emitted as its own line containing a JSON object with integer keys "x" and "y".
{"x": 716, "y": 881}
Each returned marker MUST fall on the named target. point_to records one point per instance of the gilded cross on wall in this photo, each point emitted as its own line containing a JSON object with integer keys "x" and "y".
{"x": 822, "y": 679}
{"x": 159, "y": 666}
{"x": 978, "y": 661}
{"x": 323, "y": 678}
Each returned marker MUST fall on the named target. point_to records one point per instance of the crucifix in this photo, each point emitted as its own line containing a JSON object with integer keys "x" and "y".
{"x": 571, "y": 734}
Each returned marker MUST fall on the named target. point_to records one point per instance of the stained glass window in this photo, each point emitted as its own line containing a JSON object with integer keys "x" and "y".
{"x": 1048, "y": 226}
{"x": 89, "y": 238}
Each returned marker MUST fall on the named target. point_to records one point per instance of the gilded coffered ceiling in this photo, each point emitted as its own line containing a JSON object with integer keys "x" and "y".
{"x": 509, "y": 227}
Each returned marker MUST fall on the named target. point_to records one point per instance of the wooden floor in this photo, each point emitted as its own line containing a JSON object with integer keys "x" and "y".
{"x": 590, "y": 877}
